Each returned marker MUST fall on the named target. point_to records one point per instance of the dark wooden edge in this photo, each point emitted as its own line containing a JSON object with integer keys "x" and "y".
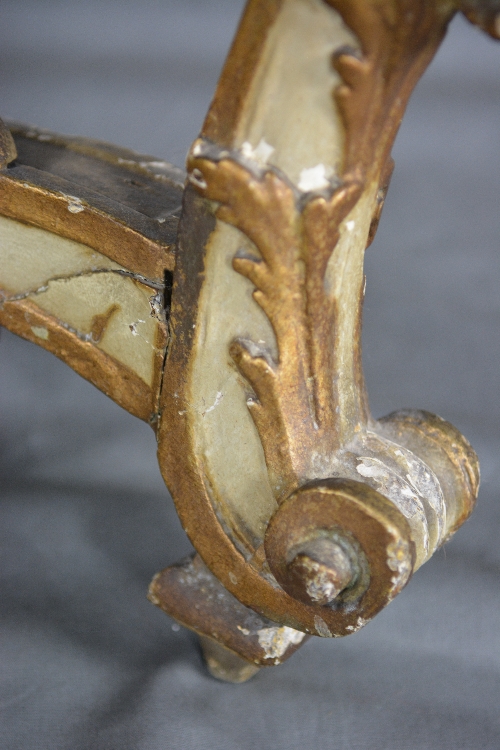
{"x": 188, "y": 592}
{"x": 30, "y": 196}
{"x": 143, "y": 164}
{"x": 120, "y": 228}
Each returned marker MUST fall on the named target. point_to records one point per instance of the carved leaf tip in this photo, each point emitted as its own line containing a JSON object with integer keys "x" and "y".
{"x": 350, "y": 65}
{"x": 256, "y": 365}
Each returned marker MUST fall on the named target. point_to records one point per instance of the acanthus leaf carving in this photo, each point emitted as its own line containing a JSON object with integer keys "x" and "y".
{"x": 297, "y": 400}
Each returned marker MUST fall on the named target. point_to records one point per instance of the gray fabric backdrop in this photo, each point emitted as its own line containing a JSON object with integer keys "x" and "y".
{"x": 86, "y": 661}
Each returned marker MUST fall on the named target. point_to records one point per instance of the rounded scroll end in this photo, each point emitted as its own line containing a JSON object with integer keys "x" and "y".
{"x": 342, "y": 548}
{"x": 448, "y": 453}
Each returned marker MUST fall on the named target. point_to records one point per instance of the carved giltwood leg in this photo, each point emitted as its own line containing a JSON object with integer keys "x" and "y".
{"x": 307, "y": 514}
{"x": 307, "y": 509}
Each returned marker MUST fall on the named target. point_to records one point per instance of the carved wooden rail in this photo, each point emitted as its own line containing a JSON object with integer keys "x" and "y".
{"x": 232, "y": 325}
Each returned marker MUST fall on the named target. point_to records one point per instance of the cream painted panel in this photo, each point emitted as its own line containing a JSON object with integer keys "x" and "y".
{"x": 129, "y": 334}
{"x": 75, "y": 284}
{"x": 291, "y": 107}
{"x": 291, "y": 102}
{"x": 344, "y": 281}
{"x": 30, "y": 256}
{"x": 227, "y": 440}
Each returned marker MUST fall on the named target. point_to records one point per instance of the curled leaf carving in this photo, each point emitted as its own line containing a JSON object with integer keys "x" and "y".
{"x": 297, "y": 401}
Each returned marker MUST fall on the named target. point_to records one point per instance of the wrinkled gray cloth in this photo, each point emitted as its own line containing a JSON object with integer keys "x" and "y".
{"x": 85, "y": 521}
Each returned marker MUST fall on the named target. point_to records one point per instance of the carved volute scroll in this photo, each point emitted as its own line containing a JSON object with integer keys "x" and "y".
{"x": 308, "y": 515}
{"x": 264, "y": 386}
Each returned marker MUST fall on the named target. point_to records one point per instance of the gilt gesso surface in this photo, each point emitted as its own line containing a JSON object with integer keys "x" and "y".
{"x": 286, "y": 186}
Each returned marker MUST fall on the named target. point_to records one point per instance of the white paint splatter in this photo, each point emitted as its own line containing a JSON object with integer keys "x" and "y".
{"x": 157, "y": 307}
{"x": 75, "y": 205}
{"x": 275, "y": 641}
{"x": 133, "y": 327}
{"x": 360, "y": 624}
{"x": 399, "y": 560}
{"x": 196, "y": 177}
{"x": 319, "y": 586}
{"x": 371, "y": 467}
{"x": 394, "y": 487}
{"x": 157, "y": 165}
{"x": 261, "y": 153}
{"x": 315, "y": 178}
{"x": 216, "y": 403}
